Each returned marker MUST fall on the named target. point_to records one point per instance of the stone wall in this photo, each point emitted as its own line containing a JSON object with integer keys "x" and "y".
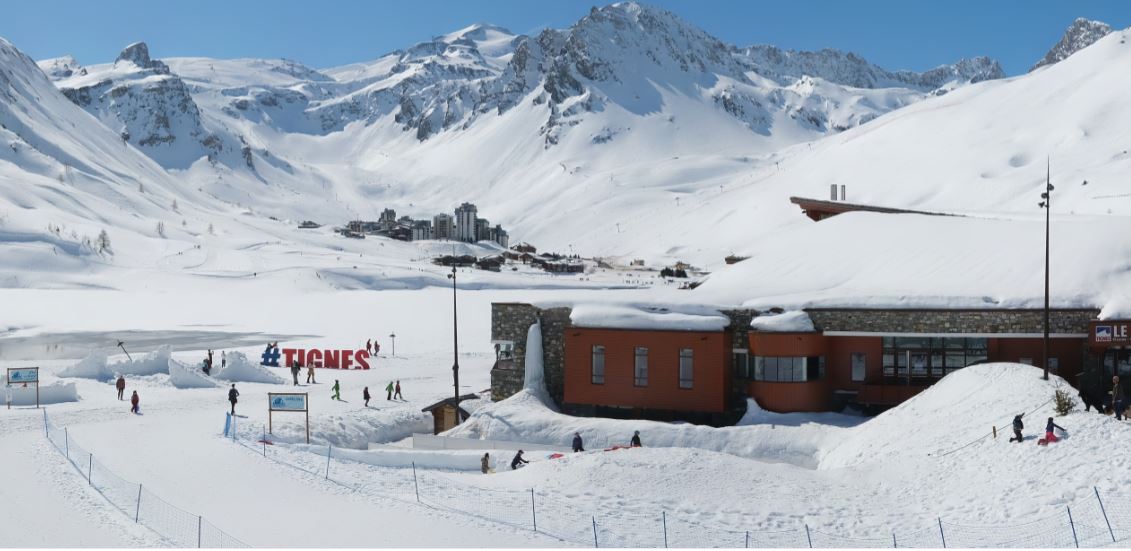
{"x": 510, "y": 322}
{"x": 951, "y": 321}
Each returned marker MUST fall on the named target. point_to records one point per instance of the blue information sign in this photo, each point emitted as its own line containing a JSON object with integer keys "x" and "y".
{"x": 23, "y": 375}
{"x": 288, "y": 402}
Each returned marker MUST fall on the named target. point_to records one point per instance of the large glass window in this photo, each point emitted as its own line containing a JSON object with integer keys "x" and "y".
{"x": 787, "y": 370}
{"x": 686, "y": 367}
{"x": 641, "y": 371}
{"x": 930, "y": 356}
{"x": 598, "y": 367}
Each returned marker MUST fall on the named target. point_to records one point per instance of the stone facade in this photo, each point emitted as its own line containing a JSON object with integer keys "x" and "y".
{"x": 951, "y": 321}
{"x": 511, "y": 322}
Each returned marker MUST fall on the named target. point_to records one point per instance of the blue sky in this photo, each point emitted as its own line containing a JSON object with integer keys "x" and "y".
{"x": 903, "y": 34}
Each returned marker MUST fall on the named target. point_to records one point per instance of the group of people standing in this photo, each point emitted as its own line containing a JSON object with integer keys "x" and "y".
{"x": 207, "y": 368}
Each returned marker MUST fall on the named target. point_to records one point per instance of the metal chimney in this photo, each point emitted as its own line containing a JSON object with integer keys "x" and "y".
{"x": 832, "y": 192}
{"x": 842, "y": 192}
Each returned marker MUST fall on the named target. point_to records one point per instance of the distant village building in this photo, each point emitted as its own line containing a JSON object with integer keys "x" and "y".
{"x": 466, "y": 223}
{"x": 443, "y": 227}
{"x": 421, "y": 230}
{"x": 525, "y": 247}
{"x": 388, "y": 219}
{"x": 482, "y": 229}
{"x": 499, "y": 235}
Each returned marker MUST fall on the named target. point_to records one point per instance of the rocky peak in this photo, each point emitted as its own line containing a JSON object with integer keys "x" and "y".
{"x": 138, "y": 54}
{"x": 61, "y": 67}
{"x": 1080, "y": 34}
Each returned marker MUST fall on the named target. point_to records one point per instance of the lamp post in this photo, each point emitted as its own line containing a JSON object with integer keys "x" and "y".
{"x": 455, "y": 340}
{"x": 393, "y": 340}
{"x": 1046, "y": 204}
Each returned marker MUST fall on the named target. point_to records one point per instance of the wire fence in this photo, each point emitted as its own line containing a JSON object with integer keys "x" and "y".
{"x": 1099, "y": 520}
{"x": 177, "y": 527}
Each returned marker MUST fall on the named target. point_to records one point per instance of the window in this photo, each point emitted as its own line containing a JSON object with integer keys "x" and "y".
{"x": 1054, "y": 365}
{"x": 859, "y": 366}
{"x": 930, "y": 356}
{"x": 686, "y": 366}
{"x": 641, "y": 373}
{"x": 775, "y": 369}
{"x": 598, "y": 367}
{"x": 504, "y": 350}
{"x": 741, "y": 364}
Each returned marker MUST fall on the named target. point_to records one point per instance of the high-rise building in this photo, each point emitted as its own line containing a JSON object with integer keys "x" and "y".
{"x": 388, "y": 219}
{"x": 466, "y": 223}
{"x": 443, "y": 227}
{"x": 482, "y": 229}
{"x": 421, "y": 229}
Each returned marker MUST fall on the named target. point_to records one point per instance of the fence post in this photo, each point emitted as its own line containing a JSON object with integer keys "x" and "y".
{"x": 942, "y": 534}
{"x": 595, "y": 532}
{"x": 89, "y": 468}
{"x": 329, "y": 450}
{"x": 199, "y": 522}
{"x": 665, "y": 519}
{"x": 67, "y": 443}
{"x": 748, "y": 538}
{"x": 533, "y": 511}
{"x": 45, "y": 431}
{"x": 1073, "y": 525}
{"x": 264, "y": 441}
{"x": 415, "y": 484}
{"x": 1104, "y": 511}
{"x": 137, "y": 512}
{"x": 894, "y": 543}
{"x": 807, "y": 537}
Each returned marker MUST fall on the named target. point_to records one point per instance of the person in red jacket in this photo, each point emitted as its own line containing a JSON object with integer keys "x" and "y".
{"x": 133, "y": 403}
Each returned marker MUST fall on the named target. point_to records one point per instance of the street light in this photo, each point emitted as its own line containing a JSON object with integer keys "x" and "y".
{"x": 1046, "y": 204}
{"x": 455, "y": 339}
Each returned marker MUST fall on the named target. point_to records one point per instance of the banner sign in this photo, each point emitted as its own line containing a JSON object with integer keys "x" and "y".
{"x": 23, "y": 375}
{"x": 314, "y": 357}
{"x": 1110, "y": 333}
{"x": 287, "y": 402}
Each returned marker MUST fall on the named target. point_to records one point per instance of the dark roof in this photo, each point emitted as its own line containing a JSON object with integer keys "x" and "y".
{"x": 818, "y": 209}
{"x": 451, "y": 401}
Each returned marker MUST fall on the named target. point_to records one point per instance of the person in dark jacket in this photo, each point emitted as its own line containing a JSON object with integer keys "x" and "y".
{"x": 365, "y": 395}
{"x": 232, "y": 395}
{"x": 1049, "y": 436}
{"x": 1017, "y": 426}
{"x": 635, "y": 442}
{"x": 207, "y": 366}
{"x": 485, "y": 463}
{"x": 121, "y": 384}
{"x": 577, "y": 447}
{"x": 1117, "y": 398}
{"x": 134, "y": 400}
{"x": 295, "y": 369}
{"x": 397, "y": 392}
{"x": 518, "y": 460}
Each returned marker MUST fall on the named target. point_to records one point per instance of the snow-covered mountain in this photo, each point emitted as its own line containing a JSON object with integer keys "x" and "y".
{"x": 1081, "y": 34}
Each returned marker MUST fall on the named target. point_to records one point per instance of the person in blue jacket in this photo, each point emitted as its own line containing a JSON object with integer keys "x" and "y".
{"x": 1049, "y": 436}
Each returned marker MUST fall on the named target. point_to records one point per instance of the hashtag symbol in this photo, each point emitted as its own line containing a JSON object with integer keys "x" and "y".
{"x": 271, "y": 357}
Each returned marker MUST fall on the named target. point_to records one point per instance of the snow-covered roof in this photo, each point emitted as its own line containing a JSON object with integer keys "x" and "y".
{"x": 871, "y": 260}
{"x": 657, "y": 318}
{"x": 786, "y": 322}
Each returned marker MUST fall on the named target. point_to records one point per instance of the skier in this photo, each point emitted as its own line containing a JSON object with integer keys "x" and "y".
{"x": 485, "y": 463}
{"x": 310, "y": 374}
{"x": 369, "y": 346}
{"x": 1049, "y": 436}
{"x": 232, "y": 395}
{"x": 133, "y": 403}
{"x": 295, "y": 368}
{"x": 635, "y": 442}
{"x": 1017, "y": 426}
{"x": 365, "y": 394}
{"x": 397, "y": 393}
{"x": 389, "y": 391}
{"x": 577, "y": 447}
{"x": 518, "y": 461}
{"x": 121, "y": 384}
{"x": 337, "y": 390}
{"x": 1117, "y": 398}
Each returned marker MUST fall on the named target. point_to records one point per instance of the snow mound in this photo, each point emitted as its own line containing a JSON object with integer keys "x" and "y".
{"x": 185, "y": 376}
{"x": 447, "y": 460}
{"x": 796, "y": 321}
{"x": 619, "y": 317}
{"x": 524, "y": 418}
{"x": 93, "y": 366}
{"x": 54, "y": 393}
{"x": 241, "y": 370}
{"x": 355, "y": 430}
{"x": 957, "y": 410}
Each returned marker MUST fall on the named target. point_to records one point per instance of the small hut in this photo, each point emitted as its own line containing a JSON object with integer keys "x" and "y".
{"x": 444, "y": 413}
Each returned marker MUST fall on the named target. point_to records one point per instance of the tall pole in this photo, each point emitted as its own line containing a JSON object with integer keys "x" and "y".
{"x": 455, "y": 342}
{"x": 1047, "y": 204}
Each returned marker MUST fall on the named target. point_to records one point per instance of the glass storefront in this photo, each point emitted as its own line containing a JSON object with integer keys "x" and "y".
{"x": 931, "y": 357}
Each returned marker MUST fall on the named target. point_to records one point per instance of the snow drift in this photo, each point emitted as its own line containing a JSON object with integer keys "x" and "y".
{"x": 186, "y": 376}
{"x": 242, "y": 370}
{"x": 54, "y": 393}
{"x": 95, "y": 365}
